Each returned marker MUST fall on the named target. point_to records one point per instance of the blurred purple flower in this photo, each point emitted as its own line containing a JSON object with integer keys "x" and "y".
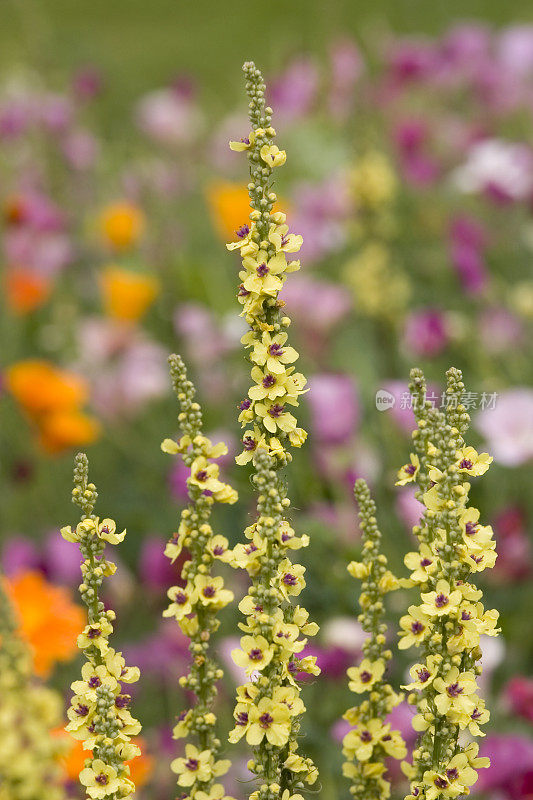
{"x": 514, "y": 50}
{"x": 333, "y": 661}
{"x": 425, "y": 333}
{"x": 345, "y": 633}
{"x": 61, "y": 560}
{"x": 80, "y": 149}
{"x": 502, "y": 169}
{"x": 177, "y": 479}
{"x": 169, "y": 116}
{"x": 203, "y": 336}
{"x": 319, "y": 215}
{"x": 164, "y": 654}
{"x": 18, "y": 554}
{"x": 317, "y": 305}
{"x": 411, "y": 60}
{"x": 347, "y": 66}
{"x": 467, "y": 242}
{"x": 87, "y": 83}
{"x": 514, "y": 561}
{"x": 511, "y": 760}
{"x": 408, "y": 508}
{"x": 292, "y": 94}
{"x": 500, "y": 330}
{"x": 518, "y": 694}
{"x": 55, "y": 112}
{"x": 508, "y": 427}
{"x": 334, "y": 407}
{"x": 154, "y": 568}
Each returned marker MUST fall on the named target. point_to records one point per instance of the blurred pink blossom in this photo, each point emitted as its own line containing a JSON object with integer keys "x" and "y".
{"x": 514, "y": 50}
{"x": 80, "y": 149}
{"x": 500, "y": 330}
{"x": 511, "y": 758}
{"x": 347, "y": 66}
{"x": 425, "y": 332}
{"x": 317, "y": 305}
{"x": 169, "y": 116}
{"x": 467, "y": 243}
{"x": 293, "y": 92}
{"x": 319, "y": 215}
{"x": 343, "y": 632}
{"x": 518, "y": 695}
{"x": 334, "y": 407}
{"x": 501, "y": 168}
{"x": 508, "y": 427}
{"x": 18, "y": 554}
{"x": 513, "y": 544}
{"x": 154, "y": 568}
{"x": 408, "y": 508}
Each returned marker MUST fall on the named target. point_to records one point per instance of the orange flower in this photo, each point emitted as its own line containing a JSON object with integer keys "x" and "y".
{"x": 126, "y": 294}
{"x": 25, "y": 291}
{"x": 48, "y": 619}
{"x": 40, "y": 387}
{"x": 122, "y": 224}
{"x": 229, "y": 205}
{"x": 140, "y": 768}
{"x": 52, "y": 398}
{"x": 63, "y": 429}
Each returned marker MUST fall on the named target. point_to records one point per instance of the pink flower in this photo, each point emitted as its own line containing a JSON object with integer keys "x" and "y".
{"x": 61, "y": 560}
{"x": 334, "y": 407}
{"x": 319, "y": 215}
{"x": 501, "y": 168}
{"x": 19, "y": 553}
{"x": 500, "y": 330}
{"x": 347, "y": 66}
{"x": 408, "y": 508}
{"x": 514, "y": 50}
{"x": 155, "y": 569}
{"x": 169, "y": 116}
{"x": 80, "y": 149}
{"x": 508, "y": 427}
{"x": 467, "y": 243}
{"x": 511, "y": 759}
{"x": 293, "y": 93}
{"x": 425, "y": 333}
{"x": 316, "y": 304}
{"x": 518, "y": 694}
{"x": 345, "y": 633}
{"x": 514, "y": 546}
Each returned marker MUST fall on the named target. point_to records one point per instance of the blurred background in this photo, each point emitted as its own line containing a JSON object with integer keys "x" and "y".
{"x": 410, "y": 176}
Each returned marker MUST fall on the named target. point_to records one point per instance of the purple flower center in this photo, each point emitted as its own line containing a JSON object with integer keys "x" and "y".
{"x": 245, "y": 140}
{"x": 245, "y": 404}
{"x": 470, "y": 528}
{"x": 268, "y": 381}
{"x": 82, "y": 710}
{"x": 94, "y": 682}
{"x": 477, "y": 559}
{"x": 289, "y": 579}
{"x": 242, "y": 291}
{"x": 255, "y": 654}
{"x": 454, "y": 690}
{"x": 410, "y": 469}
{"x": 276, "y": 410}
{"x": 242, "y": 718}
{"x": 94, "y": 633}
{"x": 181, "y": 598}
{"x": 286, "y": 537}
{"x": 426, "y": 562}
{"x": 192, "y": 764}
{"x": 441, "y": 600}
{"x": 440, "y": 783}
{"x": 182, "y": 715}
{"x": 105, "y": 529}
{"x": 243, "y": 231}
{"x": 285, "y": 240}
{"x": 366, "y": 736}
{"x": 292, "y": 667}
{"x": 102, "y": 779}
{"x": 249, "y": 443}
{"x": 452, "y": 774}
{"x": 423, "y": 674}
{"x": 466, "y": 615}
{"x": 209, "y": 591}
{"x": 122, "y": 701}
{"x": 417, "y": 627}
{"x": 476, "y": 714}
{"x": 265, "y": 720}
{"x": 466, "y": 464}
{"x": 218, "y": 550}
{"x": 201, "y": 475}
{"x": 386, "y": 738}
{"x": 365, "y": 676}
{"x": 275, "y": 350}
{"x": 262, "y": 269}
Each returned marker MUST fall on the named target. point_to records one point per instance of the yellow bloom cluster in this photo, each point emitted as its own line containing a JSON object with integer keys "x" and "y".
{"x": 371, "y": 739}
{"x": 381, "y": 289}
{"x": 98, "y": 713}
{"x": 269, "y": 705}
{"x": 194, "y": 604}
{"x": 29, "y": 752}
{"x": 449, "y": 620}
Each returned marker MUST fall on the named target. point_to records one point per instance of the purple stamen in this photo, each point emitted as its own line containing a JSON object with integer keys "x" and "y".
{"x": 262, "y": 270}
{"x": 94, "y": 682}
{"x": 122, "y": 701}
{"x": 275, "y": 350}
{"x": 201, "y": 475}
{"x": 218, "y": 550}
{"x": 441, "y": 600}
{"x": 440, "y": 783}
{"x": 452, "y": 774}
{"x": 417, "y": 627}
{"x": 266, "y": 720}
{"x": 423, "y": 674}
{"x": 249, "y": 443}
{"x": 243, "y": 231}
{"x": 289, "y": 579}
{"x": 82, "y": 710}
{"x": 466, "y": 464}
{"x": 192, "y": 764}
{"x": 256, "y": 654}
{"x": 245, "y": 404}
{"x": 209, "y": 591}
{"x": 102, "y": 779}
{"x": 410, "y": 469}
{"x": 94, "y": 633}
{"x": 470, "y": 528}
{"x": 365, "y": 676}
{"x": 454, "y": 690}
{"x": 242, "y": 291}
{"x": 180, "y": 598}
{"x": 426, "y": 562}
{"x": 268, "y": 381}
{"x": 242, "y": 718}
{"x": 366, "y": 736}
{"x": 276, "y": 410}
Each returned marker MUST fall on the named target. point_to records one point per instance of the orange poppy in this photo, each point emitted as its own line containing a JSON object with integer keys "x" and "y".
{"x": 127, "y": 294}
{"x": 229, "y": 205}
{"x": 74, "y": 760}
{"x": 63, "y": 429}
{"x": 122, "y": 224}
{"x": 25, "y": 290}
{"x": 49, "y": 621}
{"x": 40, "y": 387}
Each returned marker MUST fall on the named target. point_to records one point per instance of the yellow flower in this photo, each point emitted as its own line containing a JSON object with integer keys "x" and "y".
{"x": 282, "y": 240}
{"x": 460, "y": 774}
{"x": 272, "y": 352}
{"x": 454, "y": 692}
{"x": 290, "y": 578}
{"x": 472, "y": 462}
{"x": 272, "y": 155}
{"x": 183, "y": 599}
{"x": 126, "y": 294}
{"x": 183, "y": 725}
{"x": 422, "y": 674}
{"x": 216, "y": 792}
{"x": 261, "y": 276}
{"x": 297, "y": 437}
{"x": 415, "y": 627}
{"x": 479, "y": 716}
{"x": 409, "y": 472}
{"x": 122, "y": 224}
{"x": 271, "y": 386}
{"x": 226, "y": 494}
{"x": 436, "y": 785}
{"x": 360, "y": 741}
{"x": 242, "y": 722}
{"x": 107, "y": 531}
{"x": 205, "y": 475}
{"x": 422, "y": 564}
{"x": 100, "y": 779}
{"x": 274, "y": 416}
{"x": 358, "y": 569}
{"x": 244, "y": 144}
{"x": 290, "y": 697}
{"x": 218, "y": 546}
{"x": 363, "y": 677}
{"x": 211, "y": 591}
{"x": 255, "y": 653}
{"x": 93, "y": 677}
{"x": 195, "y": 766}
{"x": 251, "y": 441}
{"x": 442, "y": 601}
{"x": 393, "y": 744}
{"x": 270, "y": 719}
{"x": 373, "y": 180}
{"x": 96, "y": 635}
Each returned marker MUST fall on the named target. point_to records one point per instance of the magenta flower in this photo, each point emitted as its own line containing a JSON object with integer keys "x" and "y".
{"x": 511, "y": 759}
{"x": 294, "y": 92}
{"x": 425, "y": 333}
{"x": 408, "y": 508}
{"x": 518, "y": 694}
{"x": 347, "y": 67}
{"x": 467, "y": 244}
{"x": 18, "y": 554}
{"x": 319, "y": 214}
{"x": 508, "y": 427}
{"x": 169, "y": 116}
{"x": 500, "y": 330}
{"x": 334, "y": 407}
{"x": 154, "y": 568}
{"x": 317, "y": 305}
{"x": 514, "y": 546}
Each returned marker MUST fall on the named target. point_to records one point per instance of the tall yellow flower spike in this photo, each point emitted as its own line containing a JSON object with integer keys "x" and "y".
{"x": 98, "y": 713}
{"x": 29, "y": 752}
{"x": 371, "y": 740}
{"x": 194, "y": 605}
{"x": 269, "y": 704}
{"x": 449, "y": 619}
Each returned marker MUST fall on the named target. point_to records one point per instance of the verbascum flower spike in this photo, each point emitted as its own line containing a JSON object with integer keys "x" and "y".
{"x": 269, "y": 706}
{"x": 98, "y": 713}
{"x": 371, "y": 739}
{"x": 195, "y": 604}
{"x": 29, "y": 711}
{"x": 447, "y": 622}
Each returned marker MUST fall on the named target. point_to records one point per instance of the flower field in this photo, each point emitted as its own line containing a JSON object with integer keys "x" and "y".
{"x": 372, "y": 214}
